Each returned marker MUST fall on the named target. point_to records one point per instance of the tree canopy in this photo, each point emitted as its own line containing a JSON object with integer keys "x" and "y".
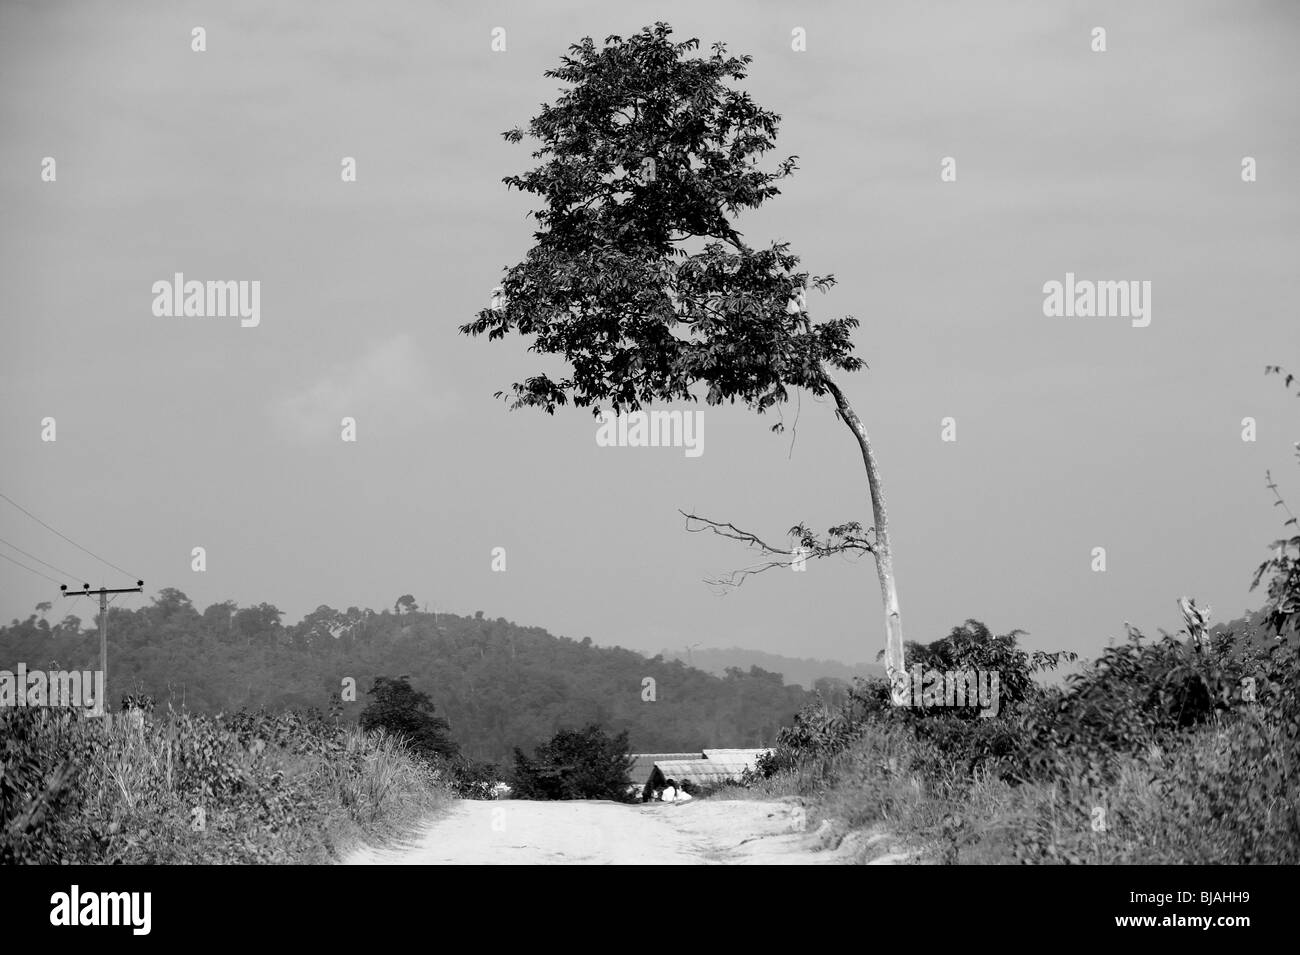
{"x": 648, "y": 152}
{"x": 405, "y": 712}
{"x": 586, "y": 763}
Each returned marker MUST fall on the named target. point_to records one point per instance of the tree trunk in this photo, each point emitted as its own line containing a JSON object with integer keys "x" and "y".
{"x": 894, "y": 663}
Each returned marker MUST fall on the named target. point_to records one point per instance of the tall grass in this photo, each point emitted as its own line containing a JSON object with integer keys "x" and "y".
{"x": 186, "y": 789}
{"x": 1166, "y": 752}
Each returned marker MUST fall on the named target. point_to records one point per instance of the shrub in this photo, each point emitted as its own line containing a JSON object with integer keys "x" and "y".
{"x": 470, "y": 779}
{"x": 1178, "y": 750}
{"x": 576, "y": 764}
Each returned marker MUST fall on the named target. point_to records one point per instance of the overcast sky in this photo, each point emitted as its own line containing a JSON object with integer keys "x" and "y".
{"x": 1071, "y": 433}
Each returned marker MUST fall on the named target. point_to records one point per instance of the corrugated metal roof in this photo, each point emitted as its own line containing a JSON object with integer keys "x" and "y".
{"x": 644, "y": 763}
{"x": 734, "y": 760}
{"x": 705, "y": 767}
{"x": 702, "y": 771}
{"x": 713, "y": 753}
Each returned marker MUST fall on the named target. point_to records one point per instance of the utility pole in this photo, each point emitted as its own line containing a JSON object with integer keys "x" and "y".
{"x": 103, "y": 630}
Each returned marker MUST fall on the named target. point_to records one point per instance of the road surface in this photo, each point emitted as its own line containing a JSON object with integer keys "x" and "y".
{"x": 700, "y": 832}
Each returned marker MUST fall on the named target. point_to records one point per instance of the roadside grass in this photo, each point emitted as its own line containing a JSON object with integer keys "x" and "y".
{"x": 1173, "y": 752}
{"x": 1195, "y": 802}
{"x": 179, "y": 789}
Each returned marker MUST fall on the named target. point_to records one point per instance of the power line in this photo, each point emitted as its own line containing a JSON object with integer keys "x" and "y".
{"x": 25, "y": 567}
{"x": 64, "y": 536}
{"x": 38, "y": 560}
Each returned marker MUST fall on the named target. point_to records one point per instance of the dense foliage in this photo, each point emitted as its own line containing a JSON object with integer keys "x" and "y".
{"x": 404, "y": 712}
{"x": 638, "y": 277}
{"x": 498, "y": 685}
{"x": 585, "y": 763}
{"x": 1183, "y": 749}
{"x": 179, "y": 788}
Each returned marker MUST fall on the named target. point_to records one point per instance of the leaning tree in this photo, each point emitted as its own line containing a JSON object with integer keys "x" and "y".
{"x": 639, "y": 279}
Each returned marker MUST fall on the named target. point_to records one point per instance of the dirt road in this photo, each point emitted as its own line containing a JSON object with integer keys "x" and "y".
{"x": 701, "y": 832}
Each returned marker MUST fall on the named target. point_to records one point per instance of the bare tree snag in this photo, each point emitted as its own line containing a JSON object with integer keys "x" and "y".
{"x": 894, "y": 664}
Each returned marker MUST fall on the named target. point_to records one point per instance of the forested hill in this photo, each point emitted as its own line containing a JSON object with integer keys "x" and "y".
{"x": 500, "y": 684}
{"x": 804, "y": 672}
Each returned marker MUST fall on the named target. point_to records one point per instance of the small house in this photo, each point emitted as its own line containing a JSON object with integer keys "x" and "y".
{"x": 643, "y": 765}
{"x": 710, "y": 767}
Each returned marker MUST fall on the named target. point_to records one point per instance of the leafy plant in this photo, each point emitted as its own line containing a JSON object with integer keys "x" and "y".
{"x": 586, "y": 763}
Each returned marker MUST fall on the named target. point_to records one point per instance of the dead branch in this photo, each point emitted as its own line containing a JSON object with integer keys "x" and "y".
{"x": 846, "y": 538}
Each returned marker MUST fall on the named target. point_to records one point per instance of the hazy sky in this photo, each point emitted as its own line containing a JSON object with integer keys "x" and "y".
{"x": 1071, "y": 433}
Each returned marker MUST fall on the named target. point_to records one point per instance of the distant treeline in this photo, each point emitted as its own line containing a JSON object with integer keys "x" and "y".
{"x": 500, "y": 685}
{"x": 825, "y": 675}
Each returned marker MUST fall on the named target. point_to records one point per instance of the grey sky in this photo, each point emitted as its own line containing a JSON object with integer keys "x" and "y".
{"x": 1072, "y": 433}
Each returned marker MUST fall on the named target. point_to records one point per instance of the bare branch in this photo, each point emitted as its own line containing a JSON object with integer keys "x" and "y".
{"x": 846, "y": 538}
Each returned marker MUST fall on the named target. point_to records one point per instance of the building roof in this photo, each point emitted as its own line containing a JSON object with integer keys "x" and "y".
{"x": 702, "y": 771}
{"x": 644, "y": 763}
{"x": 705, "y": 767}
{"x": 734, "y": 760}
